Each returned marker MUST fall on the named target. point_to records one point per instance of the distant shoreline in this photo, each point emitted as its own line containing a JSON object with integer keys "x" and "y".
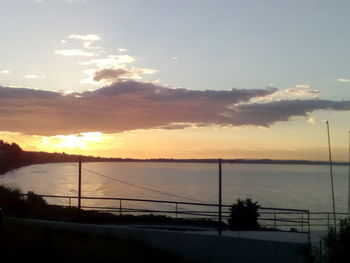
{"x": 231, "y": 161}
{"x": 13, "y": 157}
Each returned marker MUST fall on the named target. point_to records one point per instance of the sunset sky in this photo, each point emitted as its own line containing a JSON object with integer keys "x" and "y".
{"x": 176, "y": 79}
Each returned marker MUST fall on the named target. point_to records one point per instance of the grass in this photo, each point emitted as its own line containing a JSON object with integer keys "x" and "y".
{"x": 37, "y": 244}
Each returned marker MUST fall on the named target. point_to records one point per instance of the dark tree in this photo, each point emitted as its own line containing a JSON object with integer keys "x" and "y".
{"x": 244, "y": 215}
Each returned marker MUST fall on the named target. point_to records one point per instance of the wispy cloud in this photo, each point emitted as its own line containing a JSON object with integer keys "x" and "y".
{"x": 104, "y": 69}
{"x": 87, "y": 39}
{"x": 113, "y": 68}
{"x": 33, "y": 76}
{"x": 74, "y": 52}
{"x": 111, "y": 61}
{"x": 5, "y": 72}
{"x": 299, "y": 91}
{"x": 343, "y": 80}
{"x": 131, "y": 105}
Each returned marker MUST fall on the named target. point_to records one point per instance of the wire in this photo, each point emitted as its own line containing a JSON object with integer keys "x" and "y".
{"x": 139, "y": 186}
{"x": 118, "y": 180}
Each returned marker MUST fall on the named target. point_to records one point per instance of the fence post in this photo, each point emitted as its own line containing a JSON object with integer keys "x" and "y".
{"x": 275, "y": 219}
{"x": 69, "y": 204}
{"x": 328, "y": 220}
{"x": 120, "y": 207}
{"x": 309, "y": 226}
{"x": 220, "y": 197}
{"x": 302, "y": 222}
{"x": 79, "y": 184}
{"x": 176, "y": 210}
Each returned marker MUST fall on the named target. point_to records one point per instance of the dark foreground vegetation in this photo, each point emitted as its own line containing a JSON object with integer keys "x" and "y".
{"x": 335, "y": 246}
{"x": 35, "y": 244}
{"x": 244, "y": 216}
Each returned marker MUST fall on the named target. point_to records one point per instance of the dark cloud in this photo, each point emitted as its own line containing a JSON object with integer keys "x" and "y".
{"x": 131, "y": 105}
{"x": 265, "y": 114}
{"x": 112, "y": 75}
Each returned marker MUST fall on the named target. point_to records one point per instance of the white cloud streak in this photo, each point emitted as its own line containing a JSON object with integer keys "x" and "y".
{"x": 343, "y": 80}
{"x": 74, "y": 52}
{"x": 33, "y": 76}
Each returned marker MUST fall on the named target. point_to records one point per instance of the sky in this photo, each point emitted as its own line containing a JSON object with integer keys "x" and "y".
{"x": 176, "y": 79}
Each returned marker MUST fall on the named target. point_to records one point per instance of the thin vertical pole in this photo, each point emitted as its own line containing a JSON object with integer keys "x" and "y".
{"x": 176, "y": 211}
{"x": 349, "y": 182}
{"x": 328, "y": 221}
{"x": 309, "y": 226}
{"x": 331, "y": 171}
{"x": 220, "y": 196}
{"x": 302, "y": 221}
{"x": 79, "y": 185}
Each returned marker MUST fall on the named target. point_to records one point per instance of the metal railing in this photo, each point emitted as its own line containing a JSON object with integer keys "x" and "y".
{"x": 270, "y": 218}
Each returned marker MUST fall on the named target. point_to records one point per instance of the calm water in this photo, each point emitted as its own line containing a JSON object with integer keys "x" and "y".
{"x": 287, "y": 186}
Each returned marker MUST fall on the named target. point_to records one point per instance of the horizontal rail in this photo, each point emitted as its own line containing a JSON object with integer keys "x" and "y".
{"x": 278, "y": 218}
{"x": 163, "y": 201}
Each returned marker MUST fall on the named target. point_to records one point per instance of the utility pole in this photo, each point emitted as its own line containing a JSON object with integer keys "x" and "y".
{"x": 220, "y": 197}
{"x": 79, "y": 185}
{"x": 331, "y": 172}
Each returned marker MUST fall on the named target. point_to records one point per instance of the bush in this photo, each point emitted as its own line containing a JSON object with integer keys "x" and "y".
{"x": 336, "y": 244}
{"x": 11, "y": 201}
{"x": 244, "y": 215}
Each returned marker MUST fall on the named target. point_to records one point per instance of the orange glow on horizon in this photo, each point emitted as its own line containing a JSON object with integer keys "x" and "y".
{"x": 283, "y": 141}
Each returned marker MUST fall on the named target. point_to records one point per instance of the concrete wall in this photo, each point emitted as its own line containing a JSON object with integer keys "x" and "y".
{"x": 194, "y": 246}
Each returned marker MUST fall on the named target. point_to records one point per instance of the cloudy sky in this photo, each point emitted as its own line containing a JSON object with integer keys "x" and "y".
{"x": 176, "y": 79}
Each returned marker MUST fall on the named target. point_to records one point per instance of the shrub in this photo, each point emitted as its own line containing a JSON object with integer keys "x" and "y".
{"x": 244, "y": 215}
{"x": 336, "y": 244}
{"x": 11, "y": 201}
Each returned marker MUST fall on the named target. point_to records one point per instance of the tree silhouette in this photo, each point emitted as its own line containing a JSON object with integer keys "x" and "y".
{"x": 244, "y": 215}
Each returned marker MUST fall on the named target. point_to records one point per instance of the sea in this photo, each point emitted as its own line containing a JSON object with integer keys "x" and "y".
{"x": 271, "y": 185}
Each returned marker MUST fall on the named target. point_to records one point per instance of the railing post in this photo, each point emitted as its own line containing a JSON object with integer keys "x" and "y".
{"x": 120, "y": 207}
{"x": 309, "y": 227}
{"x": 69, "y": 204}
{"x": 275, "y": 220}
{"x": 302, "y": 222}
{"x": 328, "y": 220}
{"x": 79, "y": 184}
{"x": 176, "y": 210}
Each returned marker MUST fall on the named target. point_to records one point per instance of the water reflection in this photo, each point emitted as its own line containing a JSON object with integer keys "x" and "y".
{"x": 289, "y": 186}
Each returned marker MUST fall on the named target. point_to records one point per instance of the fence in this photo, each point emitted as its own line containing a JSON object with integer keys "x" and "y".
{"x": 281, "y": 219}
